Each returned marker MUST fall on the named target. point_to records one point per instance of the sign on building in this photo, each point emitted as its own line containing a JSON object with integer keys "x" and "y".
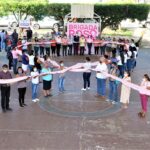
{"x": 24, "y": 23}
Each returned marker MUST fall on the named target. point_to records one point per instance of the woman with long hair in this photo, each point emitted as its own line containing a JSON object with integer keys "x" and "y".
{"x": 144, "y": 98}
{"x": 21, "y": 85}
{"x": 86, "y": 74}
{"x": 125, "y": 91}
{"x": 120, "y": 63}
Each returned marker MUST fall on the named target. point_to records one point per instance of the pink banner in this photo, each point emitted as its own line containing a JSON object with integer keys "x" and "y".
{"x": 86, "y": 29}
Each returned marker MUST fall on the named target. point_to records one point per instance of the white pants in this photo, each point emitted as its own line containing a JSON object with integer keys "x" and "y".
{"x": 24, "y": 67}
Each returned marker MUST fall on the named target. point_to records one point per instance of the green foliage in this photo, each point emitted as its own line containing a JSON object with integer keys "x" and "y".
{"x": 111, "y": 14}
{"x": 23, "y": 8}
{"x": 58, "y": 10}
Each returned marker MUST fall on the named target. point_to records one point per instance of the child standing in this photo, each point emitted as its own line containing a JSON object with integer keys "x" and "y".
{"x": 61, "y": 78}
{"x": 35, "y": 83}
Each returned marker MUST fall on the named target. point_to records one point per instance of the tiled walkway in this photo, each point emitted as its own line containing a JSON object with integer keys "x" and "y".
{"x": 76, "y": 120}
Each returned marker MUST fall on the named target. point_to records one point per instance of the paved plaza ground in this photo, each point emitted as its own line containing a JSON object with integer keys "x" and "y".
{"x": 76, "y": 120}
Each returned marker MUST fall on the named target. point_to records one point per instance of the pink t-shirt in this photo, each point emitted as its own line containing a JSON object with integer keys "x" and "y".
{"x": 96, "y": 42}
{"x": 64, "y": 41}
{"x": 15, "y": 54}
{"x": 144, "y": 85}
{"x": 89, "y": 40}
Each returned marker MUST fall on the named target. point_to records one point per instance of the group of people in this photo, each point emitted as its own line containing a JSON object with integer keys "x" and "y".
{"x": 118, "y": 58}
{"x": 114, "y": 85}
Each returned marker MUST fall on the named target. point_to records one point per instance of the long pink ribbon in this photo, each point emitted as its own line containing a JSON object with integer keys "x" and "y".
{"x": 78, "y": 68}
{"x": 46, "y": 43}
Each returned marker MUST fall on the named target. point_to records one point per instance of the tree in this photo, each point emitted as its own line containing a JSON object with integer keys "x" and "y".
{"x": 58, "y": 10}
{"x": 113, "y": 14}
{"x": 21, "y": 9}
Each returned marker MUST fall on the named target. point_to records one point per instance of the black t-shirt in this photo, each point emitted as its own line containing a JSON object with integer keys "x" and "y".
{"x": 76, "y": 38}
{"x": 37, "y": 64}
{"x": 29, "y": 34}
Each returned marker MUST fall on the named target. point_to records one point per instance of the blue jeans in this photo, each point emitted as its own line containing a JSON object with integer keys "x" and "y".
{"x": 121, "y": 70}
{"x": 61, "y": 81}
{"x": 129, "y": 64}
{"x": 30, "y": 67}
{"x": 3, "y": 44}
{"x": 15, "y": 61}
{"x": 125, "y": 66}
{"x": 34, "y": 90}
{"x": 36, "y": 50}
{"x": 133, "y": 63}
{"x": 113, "y": 91}
{"x": 102, "y": 48}
{"x": 101, "y": 87}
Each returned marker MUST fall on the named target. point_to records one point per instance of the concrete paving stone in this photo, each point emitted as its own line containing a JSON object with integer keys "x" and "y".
{"x": 35, "y": 128}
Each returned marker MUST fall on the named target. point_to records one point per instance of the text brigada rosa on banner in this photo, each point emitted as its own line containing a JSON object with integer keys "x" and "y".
{"x": 85, "y": 29}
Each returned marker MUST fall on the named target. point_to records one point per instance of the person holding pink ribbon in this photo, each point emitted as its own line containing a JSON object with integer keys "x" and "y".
{"x": 61, "y": 78}
{"x": 125, "y": 91}
{"x": 5, "y": 89}
{"x": 87, "y": 74}
{"x": 101, "y": 78}
{"x": 89, "y": 44}
{"x": 145, "y": 84}
{"x": 22, "y": 86}
{"x": 82, "y": 45}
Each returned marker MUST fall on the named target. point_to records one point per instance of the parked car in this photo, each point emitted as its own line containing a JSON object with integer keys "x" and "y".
{"x": 47, "y": 22}
{"x": 90, "y": 21}
{"x": 128, "y": 23}
{"x": 8, "y": 21}
{"x": 146, "y": 23}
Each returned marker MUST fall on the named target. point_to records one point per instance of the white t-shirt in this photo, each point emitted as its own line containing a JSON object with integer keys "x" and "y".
{"x": 119, "y": 63}
{"x": 132, "y": 45}
{"x": 87, "y": 66}
{"x": 58, "y": 40}
{"x": 125, "y": 58}
{"x": 31, "y": 60}
{"x": 24, "y": 43}
{"x": 35, "y": 80}
{"x": 101, "y": 67}
{"x": 135, "y": 54}
{"x": 129, "y": 54}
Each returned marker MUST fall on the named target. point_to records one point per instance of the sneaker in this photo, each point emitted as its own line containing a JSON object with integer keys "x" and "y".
{"x": 107, "y": 100}
{"x": 83, "y": 89}
{"x": 24, "y": 104}
{"x": 9, "y": 109}
{"x": 88, "y": 88}
{"x": 37, "y": 99}
{"x": 34, "y": 100}
{"x": 113, "y": 102}
{"x": 4, "y": 110}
